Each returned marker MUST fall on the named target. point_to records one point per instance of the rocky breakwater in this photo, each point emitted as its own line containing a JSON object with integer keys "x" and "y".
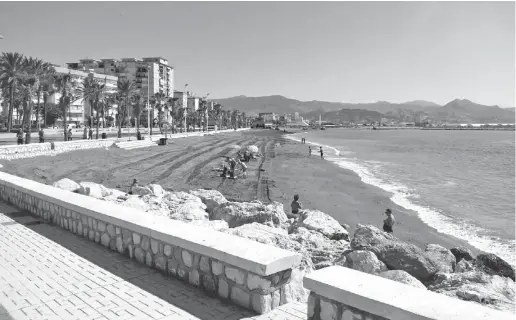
{"x": 323, "y": 242}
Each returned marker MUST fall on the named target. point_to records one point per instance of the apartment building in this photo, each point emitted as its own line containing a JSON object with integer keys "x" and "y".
{"x": 80, "y": 111}
{"x": 151, "y": 73}
{"x": 193, "y": 104}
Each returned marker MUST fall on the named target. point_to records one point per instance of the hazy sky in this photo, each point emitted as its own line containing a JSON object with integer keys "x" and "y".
{"x": 333, "y": 51}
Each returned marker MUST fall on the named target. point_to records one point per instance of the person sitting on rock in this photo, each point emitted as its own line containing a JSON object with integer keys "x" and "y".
{"x": 389, "y": 222}
{"x": 296, "y": 207}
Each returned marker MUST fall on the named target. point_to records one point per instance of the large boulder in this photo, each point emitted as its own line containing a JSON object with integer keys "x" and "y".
{"x": 442, "y": 256}
{"x": 321, "y": 249}
{"x": 493, "y": 264}
{"x": 211, "y": 198}
{"x": 396, "y": 254}
{"x": 462, "y": 253}
{"x": 240, "y": 213}
{"x": 94, "y": 190}
{"x": 141, "y": 190}
{"x": 185, "y": 207}
{"x": 294, "y": 290}
{"x": 362, "y": 260}
{"x": 403, "y": 277}
{"x": 67, "y": 184}
{"x": 323, "y": 223}
{"x": 477, "y": 286}
{"x": 147, "y": 204}
{"x": 217, "y": 225}
{"x": 156, "y": 190}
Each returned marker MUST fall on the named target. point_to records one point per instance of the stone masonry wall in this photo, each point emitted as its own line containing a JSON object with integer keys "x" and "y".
{"x": 25, "y": 151}
{"x": 244, "y": 288}
{"x": 321, "y": 308}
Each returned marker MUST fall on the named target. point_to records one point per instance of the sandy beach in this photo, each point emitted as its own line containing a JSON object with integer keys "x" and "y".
{"x": 285, "y": 169}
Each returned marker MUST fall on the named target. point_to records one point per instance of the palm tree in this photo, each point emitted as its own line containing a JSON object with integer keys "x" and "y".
{"x": 157, "y": 103}
{"x": 94, "y": 92}
{"x": 139, "y": 103}
{"x": 67, "y": 87}
{"x": 126, "y": 89}
{"x": 11, "y": 73}
{"x": 44, "y": 73}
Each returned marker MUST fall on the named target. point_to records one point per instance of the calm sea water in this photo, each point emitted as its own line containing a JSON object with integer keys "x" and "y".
{"x": 459, "y": 182}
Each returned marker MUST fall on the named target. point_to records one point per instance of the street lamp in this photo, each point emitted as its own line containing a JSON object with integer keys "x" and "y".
{"x": 185, "y": 107}
{"x": 148, "y": 103}
{"x": 206, "y": 111}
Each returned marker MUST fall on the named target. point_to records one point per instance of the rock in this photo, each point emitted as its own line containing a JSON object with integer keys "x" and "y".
{"x": 321, "y": 249}
{"x": 239, "y": 213}
{"x": 362, "y": 260}
{"x": 477, "y": 286}
{"x": 323, "y": 223}
{"x": 150, "y": 204}
{"x": 185, "y": 207}
{"x": 217, "y": 225}
{"x": 396, "y": 254}
{"x": 493, "y": 264}
{"x": 403, "y": 277}
{"x": 442, "y": 256}
{"x": 464, "y": 266}
{"x": 93, "y": 190}
{"x": 462, "y": 253}
{"x": 211, "y": 198}
{"x": 141, "y": 191}
{"x": 67, "y": 184}
{"x": 156, "y": 190}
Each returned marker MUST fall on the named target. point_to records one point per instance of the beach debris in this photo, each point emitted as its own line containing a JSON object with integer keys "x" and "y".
{"x": 361, "y": 260}
{"x": 236, "y": 147}
{"x": 403, "y": 277}
{"x": 240, "y": 213}
{"x": 253, "y": 149}
{"x": 444, "y": 258}
{"x": 396, "y": 254}
{"x": 67, "y": 184}
{"x": 323, "y": 223}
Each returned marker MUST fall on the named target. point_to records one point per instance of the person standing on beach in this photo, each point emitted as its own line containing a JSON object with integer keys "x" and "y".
{"x": 309, "y": 150}
{"x": 389, "y": 222}
{"x": 90, "y": 134}
{"x": 19, "y": 136}
{"x": 296, "y": 206}
{"x": 322, "y": 153}
{"x": 41, "y": 135}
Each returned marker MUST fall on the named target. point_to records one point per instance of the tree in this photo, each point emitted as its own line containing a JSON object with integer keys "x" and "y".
{"x": 139, "y": 103}
{"x": 11, "y": 73}
{"x": 53, "y": 113}
{"x": 67, "y": 87}
{"x": 157, "y": 103}
{"x": 94, "y": 92}
{"x": 126, "y": 89}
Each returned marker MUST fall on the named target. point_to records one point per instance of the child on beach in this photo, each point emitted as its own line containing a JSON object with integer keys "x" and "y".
{"x": 389, "y": 222}
{"x": 296, "y": 206}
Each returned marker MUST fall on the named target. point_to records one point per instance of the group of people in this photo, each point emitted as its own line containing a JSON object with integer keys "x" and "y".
{"x": 296, "y": 207}
{"x": 320, "y": 151}
{"x": 230, "y": 165}
{"x": 87, "y": 133}
{"x": 22, "y": 137}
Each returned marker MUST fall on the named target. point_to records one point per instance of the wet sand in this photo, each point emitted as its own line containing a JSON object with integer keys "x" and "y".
{"x": 191, "y": 163}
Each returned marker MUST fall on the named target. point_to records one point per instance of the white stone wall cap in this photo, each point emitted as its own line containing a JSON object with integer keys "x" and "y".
{"x": 243, "y": 253}
{"x": 391, "y": 299}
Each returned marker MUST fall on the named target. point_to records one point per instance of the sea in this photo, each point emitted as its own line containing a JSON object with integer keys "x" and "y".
{"x": 461, "y": 183}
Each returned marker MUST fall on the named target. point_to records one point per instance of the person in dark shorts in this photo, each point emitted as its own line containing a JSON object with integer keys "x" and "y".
{"x": 322, "y": 153}
{"x": 41, "y": 134}
{"x": 389, "y": 222}
{"x": 296, "y": 207}
{"x": 19, "y": 136}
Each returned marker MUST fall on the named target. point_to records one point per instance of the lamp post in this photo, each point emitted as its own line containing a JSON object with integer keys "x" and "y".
{"x": 148, "y": 104}
{"x": 206, "y": 111}
{"x": 185, "y": 107}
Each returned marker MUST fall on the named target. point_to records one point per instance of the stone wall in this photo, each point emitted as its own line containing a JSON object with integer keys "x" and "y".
{"x": 339, "y": 293}
{"x": 24, "y": 151}
{"x": 247, "y": 273}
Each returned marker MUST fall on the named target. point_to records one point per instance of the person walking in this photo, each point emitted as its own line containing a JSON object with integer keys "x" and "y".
{"x": 389, "y": 222}
{"x": 70, "y": 134}
{"x": 322, "y": 153}
{"x": 309, "y": 150}
{"x": 19, "y": 136}
{"x": 90, "y": 134}
{"x": 41, "y": 134}
{"x": 85, "y": 133}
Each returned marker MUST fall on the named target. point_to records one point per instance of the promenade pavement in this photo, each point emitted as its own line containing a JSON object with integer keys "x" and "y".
{"x": 49, "y": 273}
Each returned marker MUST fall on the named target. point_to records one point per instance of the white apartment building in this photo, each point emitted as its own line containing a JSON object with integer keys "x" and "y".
{"x": 151, "y": 74}
{"x": 193, "y": 104}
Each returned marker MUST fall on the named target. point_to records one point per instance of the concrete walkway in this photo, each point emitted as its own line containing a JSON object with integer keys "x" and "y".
{"x": 49, "y": 273}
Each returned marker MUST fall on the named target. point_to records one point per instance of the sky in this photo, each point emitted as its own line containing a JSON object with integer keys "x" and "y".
{"x": 328, "y": 51}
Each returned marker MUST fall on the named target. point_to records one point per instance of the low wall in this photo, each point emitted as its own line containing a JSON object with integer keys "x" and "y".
{"x": 25, "y": 151}
{"x": 346, "y": 294}
{"x": 247, "y": 273}
{"x": 156, "y": 137}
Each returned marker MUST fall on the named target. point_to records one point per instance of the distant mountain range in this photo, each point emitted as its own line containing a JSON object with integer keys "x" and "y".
{"x": 456, "y": 110}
